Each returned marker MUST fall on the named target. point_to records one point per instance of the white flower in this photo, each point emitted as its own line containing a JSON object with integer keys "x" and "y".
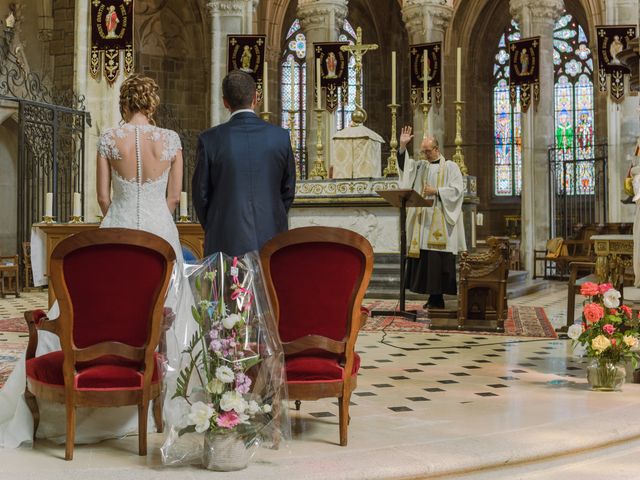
{"x": 200, "y": 416}
{"x": 233, "y": 401}
{"x": 574, "y": 331}
{"x": 225, "y": 374}
{"x": 230, "y": 321}
{"x": 600, "y": 343}
{"x": 611, "y": 298}
{"x": 215, "y": 386}
{"x": 253, "y": 407}
{"x": 266, "y": 408}
{"x": 630, "y": 341}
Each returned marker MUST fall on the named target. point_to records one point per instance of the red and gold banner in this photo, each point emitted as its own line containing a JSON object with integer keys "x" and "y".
{"x": 524, "y": 61}
{"x": 334, "y": 65}
{"x": 111, "y": 32}
{"x": 246, "y": 53}
{"x": 433, "y": 53}
{"x": 612, "y": 39}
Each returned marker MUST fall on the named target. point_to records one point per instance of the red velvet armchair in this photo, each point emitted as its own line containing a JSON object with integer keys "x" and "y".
{"x": 316, "y": 278}
{"x": 110, "y": 285}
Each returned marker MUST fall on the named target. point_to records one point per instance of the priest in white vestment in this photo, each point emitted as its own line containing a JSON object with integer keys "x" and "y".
{"x": 634, "y": 172}
{"x": 435, "y": 234}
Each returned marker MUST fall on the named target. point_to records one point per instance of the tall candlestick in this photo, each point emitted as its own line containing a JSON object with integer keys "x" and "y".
{"x": 393, "y": 77}
{"x": 318, "y": 85}
{"x": 183, "y": 204}
{"x": 265, "y": 88}
{"x": 425, "y": 74}
{"x": 48, "y": 205}
{"x": 293, "y": 86}
{"x": 459, "y": 75}
{"x": 77, "y": 204}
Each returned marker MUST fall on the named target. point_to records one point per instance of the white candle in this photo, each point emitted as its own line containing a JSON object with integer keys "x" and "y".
{"x": 425, "y": 74}
{"x": 318, "y": 85}
{"x": 293, "y": 86}
{"x": 459, "y": 75}
{"x": 265, "y": 88}
{"x": 48, "y": 205}
{"x": 183, "y": 204}
{"x": 77, "y": 204}
{"x": 393, "y": 78}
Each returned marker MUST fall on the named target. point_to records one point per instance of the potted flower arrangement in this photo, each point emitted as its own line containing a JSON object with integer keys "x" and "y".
{"x": 609, "y": 334}
{"x": 231, "y": 376}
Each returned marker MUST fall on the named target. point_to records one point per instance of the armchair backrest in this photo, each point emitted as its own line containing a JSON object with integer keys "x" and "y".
{"x": 317, "y": 278}
{"x": 110, "y": 284}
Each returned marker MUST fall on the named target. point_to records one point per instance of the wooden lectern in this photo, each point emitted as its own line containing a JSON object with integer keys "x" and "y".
{"x": 402, "y": 199}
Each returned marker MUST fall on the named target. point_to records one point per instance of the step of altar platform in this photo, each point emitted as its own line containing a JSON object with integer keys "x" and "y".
{"x": 385, "y": 281}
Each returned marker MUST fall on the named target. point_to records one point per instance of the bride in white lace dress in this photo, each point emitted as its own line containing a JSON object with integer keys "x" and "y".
{"x": 142, "y": 165}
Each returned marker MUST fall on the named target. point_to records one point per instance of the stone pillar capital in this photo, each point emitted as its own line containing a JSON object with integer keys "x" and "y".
{"x": 315, "y": 14}
{"x": 548, "y": 10}
{"x": 422, "y": 15}
{"x": 225, "y": 6}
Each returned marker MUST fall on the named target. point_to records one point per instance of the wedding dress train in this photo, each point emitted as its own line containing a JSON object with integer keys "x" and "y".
{"x": 136, "y": 205}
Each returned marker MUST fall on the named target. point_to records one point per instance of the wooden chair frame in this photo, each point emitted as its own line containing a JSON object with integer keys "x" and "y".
{"x": 312, "y": 390}
{"x": 63, "y": 327}
{"x": 14, "y": 274}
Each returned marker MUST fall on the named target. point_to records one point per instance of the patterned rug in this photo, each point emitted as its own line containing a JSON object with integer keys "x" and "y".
{"x": 13, "y": 325}
{"x": 523, "y": 321}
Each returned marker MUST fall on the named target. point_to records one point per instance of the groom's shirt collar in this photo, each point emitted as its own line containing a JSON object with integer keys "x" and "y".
{"x": 243, "y": 110}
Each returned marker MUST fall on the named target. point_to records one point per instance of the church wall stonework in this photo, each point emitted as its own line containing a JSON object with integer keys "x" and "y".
{"x": 62, "y": 43}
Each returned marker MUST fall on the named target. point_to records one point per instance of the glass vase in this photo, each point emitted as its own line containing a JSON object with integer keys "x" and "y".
{"x": 605, "y": 375}
{"x": 224, "y": 452}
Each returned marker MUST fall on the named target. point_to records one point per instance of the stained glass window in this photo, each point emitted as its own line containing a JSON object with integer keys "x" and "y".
{"x": 573, "y": 98}
{"x": 344, "y": 110}
{"x": 506, "y": 122}
{"x": 293, "y": 91}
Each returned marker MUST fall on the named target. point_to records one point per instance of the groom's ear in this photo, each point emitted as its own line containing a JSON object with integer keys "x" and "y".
{"x": 254, "y": 102}
{"x": 225, "y": 103}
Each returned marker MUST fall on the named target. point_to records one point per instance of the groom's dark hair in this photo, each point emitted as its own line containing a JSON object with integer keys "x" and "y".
{"x": 238, "y": 89}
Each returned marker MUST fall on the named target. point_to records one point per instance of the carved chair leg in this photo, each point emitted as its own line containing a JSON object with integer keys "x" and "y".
{"x": 71, "y": 431}
{"x": 157, "y": 413}
{"x": 343, "y": 408}
{"x": 298, "y": 402}
{"x": 32, "y": 403}
{"x": 143, "y": 412}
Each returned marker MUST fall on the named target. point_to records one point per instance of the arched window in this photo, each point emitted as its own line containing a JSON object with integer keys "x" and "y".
{"x": 573, "y": 99}
{"x": 344, "y": 110}
{"x": 293, "y": 91}
{"x": 506, "y": 122}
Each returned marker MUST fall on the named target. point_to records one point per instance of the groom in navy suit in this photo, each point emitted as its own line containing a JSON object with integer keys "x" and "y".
{"x": 245, "y": 179}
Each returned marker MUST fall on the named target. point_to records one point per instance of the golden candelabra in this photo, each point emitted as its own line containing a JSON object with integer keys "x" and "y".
{"x": 318, "y": 170}
{"x": 48, "y": 219}
{"x": 458, "y": 157}
{"x": 392, "y": 162}
{"x": 184, "y": 219}
{"x": 292, "y": 138}
{"x": 76, "y": 219}
{"x": 265, "y": 116}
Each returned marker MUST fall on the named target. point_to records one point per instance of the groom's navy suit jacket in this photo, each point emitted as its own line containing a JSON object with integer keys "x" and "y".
{"x": 243, "y": 184}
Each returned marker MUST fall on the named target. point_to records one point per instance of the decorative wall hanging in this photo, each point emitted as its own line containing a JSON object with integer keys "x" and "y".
{"x": 524, "y": 59}
{"x": 434, "y": 76}
{"x": 246, "y": 53}
{"x": 612, "y": 39}
{"x": 111, "y": 32}
{"x": 334, "y": 65}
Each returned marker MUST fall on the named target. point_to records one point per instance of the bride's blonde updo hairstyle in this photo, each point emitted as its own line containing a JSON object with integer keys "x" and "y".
{"x": 139, "y": 94}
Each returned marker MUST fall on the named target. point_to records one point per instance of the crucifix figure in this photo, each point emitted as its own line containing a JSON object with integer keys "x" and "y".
{"x": 358, "y": 50}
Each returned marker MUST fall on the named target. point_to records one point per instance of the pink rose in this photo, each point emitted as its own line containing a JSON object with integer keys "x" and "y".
{"x": 604, "y": 287}
{"x": 589, "y": 289}
{"x": 613, "y": 342}
{"x": 612, "y": 311}
{"x": 608, "y": 329}
{"x": 593, "y": 312}
{"x": 626, "y": 310}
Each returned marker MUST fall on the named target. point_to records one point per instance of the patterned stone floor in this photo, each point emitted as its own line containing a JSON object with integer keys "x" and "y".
{"x": 427, "y": 405}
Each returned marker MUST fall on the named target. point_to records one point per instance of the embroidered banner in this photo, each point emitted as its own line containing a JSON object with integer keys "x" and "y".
{"x": 246, "y": 53}
{"x": 524, "y": 58}
{"x": 434, "y": 57}
{"x": 612, "y": 39}
{"x": 111, "y": 32}
{"x": 334, "y": 65}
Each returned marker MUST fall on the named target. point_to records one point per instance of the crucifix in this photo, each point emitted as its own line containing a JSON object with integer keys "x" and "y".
{"x": 358, "y": 50}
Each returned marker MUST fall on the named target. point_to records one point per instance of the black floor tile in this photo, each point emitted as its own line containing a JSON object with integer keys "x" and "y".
{"x": 382, "y": 385}
{"x": 487, "y": 394}
{"x": 418, "y": 399}
{"x": 366, "y": 394}
{"x": 322, "y": 414}
{"x": 401, "y": 409}
{"x": 433, "y": 389}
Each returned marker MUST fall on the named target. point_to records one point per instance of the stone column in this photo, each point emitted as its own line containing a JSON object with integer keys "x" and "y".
{"x": 537, "y": 19}
{"x": 101, "y": 100}
{"x": 321, "y": 21}
{"x": 623, "y": 126}
{"x": 227, "y": 17}
{"x": 426, "y": 22}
